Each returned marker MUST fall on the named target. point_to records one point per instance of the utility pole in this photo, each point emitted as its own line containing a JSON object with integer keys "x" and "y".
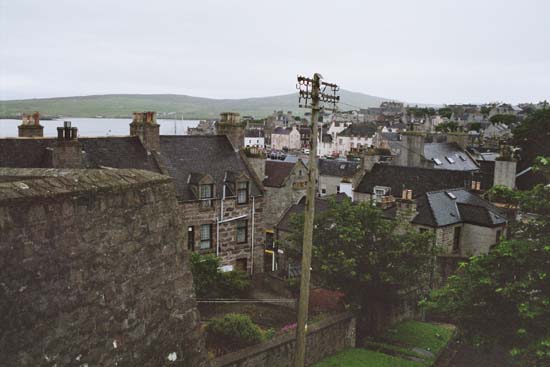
{"x": 310, "y": 89}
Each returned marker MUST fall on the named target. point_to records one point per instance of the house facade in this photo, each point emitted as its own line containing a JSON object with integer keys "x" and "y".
{"x": 286, "y": 138}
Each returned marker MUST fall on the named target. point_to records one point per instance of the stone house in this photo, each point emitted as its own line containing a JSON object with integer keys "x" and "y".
{"x": 254, "y": 138}
{"x": 497, "y": 130}
{"x": 285, "y": 184}
{"x": 414, "y": 151}
{"x": 384, "y": 180}
{"x": 219, "y": 195}
{"x": 463, "y": 223}
{"x": 286, "y": 138}
{"x": 355, "y": 136}
{"x": 337, "y": 176}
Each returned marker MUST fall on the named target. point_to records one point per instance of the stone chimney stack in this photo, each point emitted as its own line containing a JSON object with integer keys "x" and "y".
{"x": 505, "y": 168}
{"x": 231, "y": 126}
{"x": 459, "y": 138}
{"x": 412, "y": 149}
{"x": 406, "y": 207}
{"x": 144, "y": 125}
{"x": 67, "y": 151}
{"x": 30, "y": 126}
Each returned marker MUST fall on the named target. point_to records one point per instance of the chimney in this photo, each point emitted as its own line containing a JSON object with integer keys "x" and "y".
{"x": 459, "y": 138}
{"x": 505, "y": 168}
{"x": 30, "y": 126}
{"x": 144, "y": 125}
{"x": 231, "y": 126}
{"x": 67, "y": 151}
{"x": 406, "y": 207}
{"x": 411, "y": 150}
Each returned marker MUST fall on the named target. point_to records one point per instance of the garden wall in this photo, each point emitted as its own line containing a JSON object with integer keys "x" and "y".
{"x": 324, "y": 339}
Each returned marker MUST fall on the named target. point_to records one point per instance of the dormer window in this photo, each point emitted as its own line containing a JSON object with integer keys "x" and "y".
{"x": 206, "y": 194}
{"x": 242, "y": 192}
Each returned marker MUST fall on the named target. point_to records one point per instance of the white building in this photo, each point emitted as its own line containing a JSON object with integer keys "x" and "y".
{"x": 254, "y": 138}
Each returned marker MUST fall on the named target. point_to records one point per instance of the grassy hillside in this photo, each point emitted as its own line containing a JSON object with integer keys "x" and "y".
{"x": 122, "y": 105}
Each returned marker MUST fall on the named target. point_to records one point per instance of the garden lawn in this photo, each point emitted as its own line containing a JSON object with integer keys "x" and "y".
{"x": 365, "y": 358}
{"x": 431, "y": 337}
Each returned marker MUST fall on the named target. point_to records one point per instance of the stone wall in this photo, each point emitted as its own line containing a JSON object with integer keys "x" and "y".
{"x": 324, "y": 339}
{"x": 93, "y": 271}
{"x": 477, "y": 240}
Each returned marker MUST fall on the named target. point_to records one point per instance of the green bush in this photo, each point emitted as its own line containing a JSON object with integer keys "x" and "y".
{"x": 234, "y": 283}
{"x": 233, "y": 331}
{"x": 212, "y": 283}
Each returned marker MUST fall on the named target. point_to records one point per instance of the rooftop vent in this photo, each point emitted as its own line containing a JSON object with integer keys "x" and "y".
{"x": 451, "y": 195}
{"x": 437, "y": 161}
{"x": 450, "y": 160}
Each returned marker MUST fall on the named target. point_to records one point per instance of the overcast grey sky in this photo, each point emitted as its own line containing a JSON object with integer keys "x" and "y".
{"x": 428, "y": 51}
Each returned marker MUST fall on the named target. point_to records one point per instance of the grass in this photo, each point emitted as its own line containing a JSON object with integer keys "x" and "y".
{"x": 391, "y": 349}
{"x": 431, "y": 337}
{"x": 365, "y": 358}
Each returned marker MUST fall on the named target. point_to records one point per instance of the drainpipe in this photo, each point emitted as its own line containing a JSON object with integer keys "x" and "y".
{"x": 220, "y": 218}
{"x": 252, "y": 250}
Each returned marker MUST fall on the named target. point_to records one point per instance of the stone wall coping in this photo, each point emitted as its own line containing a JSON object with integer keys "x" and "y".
{"x": 24, "y": 183}
{"x": 288, "y": 337}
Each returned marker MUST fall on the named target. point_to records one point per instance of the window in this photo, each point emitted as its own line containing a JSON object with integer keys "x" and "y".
{"x": 242, "y": 192}
{"x": 206, "y": 194}
{"x": 242, "y": 231}
{"x": 206, "y": 236}
{"x": 456, "y": 240}
{"x": 423, "y": 230}
{"x": 338, "y": 189}
{"x": 450, "y": 160}
{"x": 191, "y": 238}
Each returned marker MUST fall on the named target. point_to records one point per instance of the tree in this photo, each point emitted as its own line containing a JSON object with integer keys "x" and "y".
{"x": 447, "y": 127}
{"x": 533, "y": 135}
{"x": 503, "y": 297}
{"x": 445, "y": 112}
{"x": 506, "y": 119}
{"x": 366, "y": 256}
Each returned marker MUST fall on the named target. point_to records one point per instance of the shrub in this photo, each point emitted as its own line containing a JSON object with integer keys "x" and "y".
{"x": 234, "y": 331}
{"x": 211, "y": 282}
{"x": 234, "y": 283}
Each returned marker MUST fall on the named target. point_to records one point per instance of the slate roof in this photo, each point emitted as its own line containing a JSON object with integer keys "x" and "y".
{"x": 439, "y": 209}
{"x": 114, "y": 152}
{"x": 359, "y": 129}
{"x": 282, "y": 130}
{"x": 321, "y": 205}
{"x": 206, "y": 154}
{"x": 390, "y": 136}
{"x": 331, "y": 167}
{"x": 276, "y": 173}
{"x": 444, "y": 151}
{"x": 254, "y": 133}
{"x": 418, "y": 179}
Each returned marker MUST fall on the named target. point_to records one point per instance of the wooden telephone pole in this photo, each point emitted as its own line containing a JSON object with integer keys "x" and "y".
{"x": 316, "y": 96}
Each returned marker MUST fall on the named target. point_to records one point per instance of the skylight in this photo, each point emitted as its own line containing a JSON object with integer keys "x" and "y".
{"x": 451, "y": 195}
{"x": 437, "y": 161}
{"x": 462, "y": 158}
{"x": 342, "y": 166}
{"x": 450, "y": 160}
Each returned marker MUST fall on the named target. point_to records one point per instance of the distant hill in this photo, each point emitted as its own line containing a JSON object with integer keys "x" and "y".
{"x": 122, "y": 105}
